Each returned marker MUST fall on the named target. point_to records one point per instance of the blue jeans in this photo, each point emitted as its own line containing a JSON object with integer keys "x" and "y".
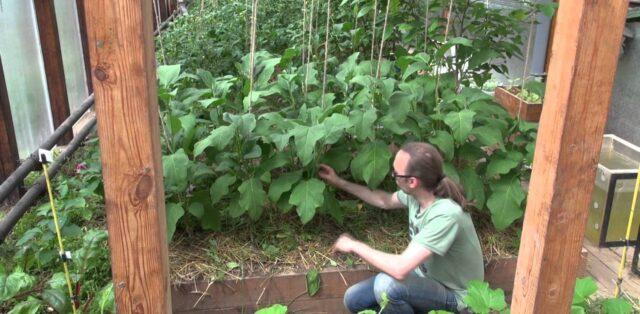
{"x": 413, "y": 295}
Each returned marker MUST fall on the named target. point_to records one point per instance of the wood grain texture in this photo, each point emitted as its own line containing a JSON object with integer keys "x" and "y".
{"x": 122, "y": 61}
{"x": 53, "y": 67}
{"x": 585, "y": 51}
{"x": 9, "y": 158}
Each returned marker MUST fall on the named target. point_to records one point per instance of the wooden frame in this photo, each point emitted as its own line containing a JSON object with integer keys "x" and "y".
{"x": 53, "y": 67}
{"x": 585, "y": 52}
{"x": 123, "y": 66}
{"x": 9, "y": 158}
{"x": 577, "y": 100}
{"x": 82, "y": 25}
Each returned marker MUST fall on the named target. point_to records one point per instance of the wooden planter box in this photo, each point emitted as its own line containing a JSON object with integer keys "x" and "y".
{"x": 510, "y": 101}
{"x": 248, "y": 295}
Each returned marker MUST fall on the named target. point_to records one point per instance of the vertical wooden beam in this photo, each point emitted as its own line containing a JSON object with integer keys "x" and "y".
{"x": 9, "y": 158}
{"x": 82, "y": 23}
{"x": 588, "y": 36}
{"x": 53, "y": 67}
{"x": 122, "y": 62}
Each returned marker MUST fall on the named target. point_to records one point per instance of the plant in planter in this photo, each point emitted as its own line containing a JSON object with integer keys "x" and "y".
{"x": 524, "y": 102}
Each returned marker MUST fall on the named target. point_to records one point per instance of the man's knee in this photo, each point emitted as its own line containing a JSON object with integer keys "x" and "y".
{"x": 351, "y": 300}
{"x": 387, "y": 285}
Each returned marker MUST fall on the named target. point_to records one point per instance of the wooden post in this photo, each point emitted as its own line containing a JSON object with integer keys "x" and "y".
{"x": 123, "y": 67}
{"x": 9, "y": 158}
{"x": 588, "y": 35}
{"x": 53, "y": 67}
{"x": 82, "y": 23}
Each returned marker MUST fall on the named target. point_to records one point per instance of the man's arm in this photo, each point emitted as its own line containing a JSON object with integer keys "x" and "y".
{"x": 377, "y": 198}
{"x": 397, "y": 266}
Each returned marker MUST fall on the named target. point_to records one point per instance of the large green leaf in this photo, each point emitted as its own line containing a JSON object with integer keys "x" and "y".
{"x": 306, "y": 138}
{"x": 175, "y": 171}
{"x": 252, "y": 197}
{"x": 444, "y": 141}
{"x": 29, "y": 306}
{"x": 168, "y": 74}
{"x": 371, "y": 164}
{"x": 338, "y": 157}
{"x": 585, "y": 287}
{"x": 57, "y": 299}
{"x": 488, "y": 136}
{"x": 307, "y": 196}
{"x": 174, "y": 213}
{"x": 501, "y": 164}
{"x": 15, "y": 283}
{"x": 335, "y": 125}
{"x": 482, "y": 56}
{"x": 451, "y": 172}
{"x": 617, "y": 306}
{"x": 283, "y": 184}
{"x": 105, "y": 299}
{"x": 363, "y": 123}
{"x": 218, "y": 138}
{"x": 244, "y": 123}
{"x": 504, "y": 202}
{"x": 461, "y": 123}
{"x": 473, "y": 186}
{"x": 482, "y": 299}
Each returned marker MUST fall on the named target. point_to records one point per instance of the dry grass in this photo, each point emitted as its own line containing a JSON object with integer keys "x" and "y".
{"x": 278, "y": 244}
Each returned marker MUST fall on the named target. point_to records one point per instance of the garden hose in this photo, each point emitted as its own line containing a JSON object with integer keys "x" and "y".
{"x": 623, "y": 259}
{"x": 65, "y": 256}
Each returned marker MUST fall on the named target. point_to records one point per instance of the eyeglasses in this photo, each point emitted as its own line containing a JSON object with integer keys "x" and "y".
{"x": 395, "y": 175}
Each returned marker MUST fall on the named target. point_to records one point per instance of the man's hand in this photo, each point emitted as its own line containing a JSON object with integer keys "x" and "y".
{"x": 344, "y": 244}
{"x": 329, "y": 175}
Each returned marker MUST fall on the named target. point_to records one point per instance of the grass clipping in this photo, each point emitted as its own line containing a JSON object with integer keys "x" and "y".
{"x": 280, "y": 244}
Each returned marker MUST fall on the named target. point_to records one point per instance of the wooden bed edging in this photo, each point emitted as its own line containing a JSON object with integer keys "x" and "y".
{"x": 247, "y": 295}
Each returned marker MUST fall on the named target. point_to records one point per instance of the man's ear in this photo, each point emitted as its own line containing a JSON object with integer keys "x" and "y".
{"x": 414, "y": 182}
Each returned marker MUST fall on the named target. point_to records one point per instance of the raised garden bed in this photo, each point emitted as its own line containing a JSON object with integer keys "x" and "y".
{"x": 250, "y": 294}
{"x": 508, "y": 98}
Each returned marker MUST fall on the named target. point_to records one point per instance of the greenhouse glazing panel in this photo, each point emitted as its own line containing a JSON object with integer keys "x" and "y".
{"x": 24, "y": 73}
{"x": 72, "y": 58}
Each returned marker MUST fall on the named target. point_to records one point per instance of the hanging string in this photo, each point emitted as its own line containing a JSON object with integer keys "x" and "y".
{"x": 156, "y": 11}
{"x": 309, "y": 50}
{"x": 446, "y": 33}
{"x": 252, "y": 53}
{"x": 526, "y": 63}
{"x": 304, "y": 29}
{"x": 373, "y": 32}
{"x": 426, "y": 26}
{"x": 384, "y": 29}
{"x": 326, "y": 51}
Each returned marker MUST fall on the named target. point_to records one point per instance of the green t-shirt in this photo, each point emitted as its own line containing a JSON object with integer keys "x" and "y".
{"x": 447, "y": 231}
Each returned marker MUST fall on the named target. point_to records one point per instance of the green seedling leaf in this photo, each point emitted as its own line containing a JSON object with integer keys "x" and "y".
{"x": 168, "y": 74}
{"x": 57, "y": 299}
{"x": 252, "y": 197}
{"x": 174, "y": 213}
{"x": 306, "y": 139}
{"x": 220, "y": 187}
{"x": 363, "y": 123}
{"x": 175, "y": 174}
{"x": 617, "y": 306}
{"x": 16, "y": 282}
{"x": 313, "y": 282}
{"x": 30, "y": 306}
{"x": 219, "y": 138}
{"x": 585, "y": 287}
{"x": 274, "y": 309}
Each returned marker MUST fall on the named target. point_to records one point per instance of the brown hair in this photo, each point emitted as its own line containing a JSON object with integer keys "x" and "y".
{"x": 425, "y": 163}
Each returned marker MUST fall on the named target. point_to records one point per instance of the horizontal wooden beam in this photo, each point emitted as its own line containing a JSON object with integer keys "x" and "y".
{"x": 585, "y": 51}
{"x": 123, "y": 65}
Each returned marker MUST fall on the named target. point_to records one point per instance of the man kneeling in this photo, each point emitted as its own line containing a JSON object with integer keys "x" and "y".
{"x": 444, "y": 252}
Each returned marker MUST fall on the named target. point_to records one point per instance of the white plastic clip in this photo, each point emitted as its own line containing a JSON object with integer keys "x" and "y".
{"x": 65, "y": 256}
{"x": 45, "y": 156}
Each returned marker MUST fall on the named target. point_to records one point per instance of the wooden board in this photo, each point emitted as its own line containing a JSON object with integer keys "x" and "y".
{"x": 512, "y": 103}
{"x": 53, "y": 67}
{"x": 585, "y": 51}
{"x": 602, "y": 265}
{"x": 9, "y": 158}
{"x": 123, "y": 67}
{"x": 247, "y": 295}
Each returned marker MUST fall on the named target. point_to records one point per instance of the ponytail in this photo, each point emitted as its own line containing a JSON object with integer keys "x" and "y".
{"x": 447, "y": 188}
